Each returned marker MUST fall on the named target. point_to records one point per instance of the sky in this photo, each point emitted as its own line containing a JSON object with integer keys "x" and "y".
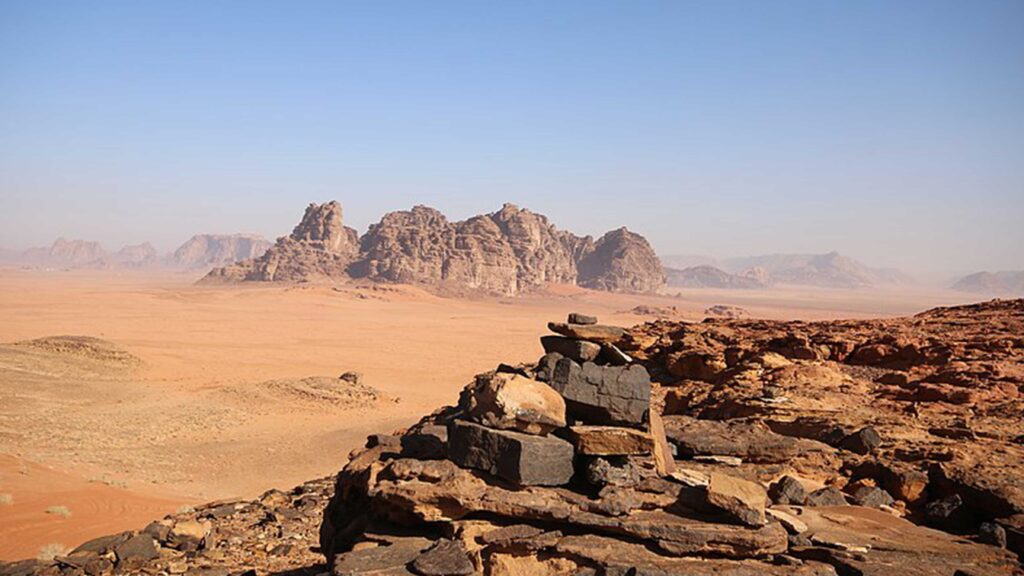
{"x": 889, "y": 130}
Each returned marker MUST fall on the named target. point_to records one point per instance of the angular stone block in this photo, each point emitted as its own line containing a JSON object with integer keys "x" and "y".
{"x": 522, "y": 459}
{"x": 603, "y": 394}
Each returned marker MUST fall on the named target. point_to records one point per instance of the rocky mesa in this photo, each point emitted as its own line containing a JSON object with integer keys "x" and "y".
{"x": 505, "y": 252}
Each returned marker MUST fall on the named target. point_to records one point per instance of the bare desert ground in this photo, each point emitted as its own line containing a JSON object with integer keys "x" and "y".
{"x": 170, "y": 394}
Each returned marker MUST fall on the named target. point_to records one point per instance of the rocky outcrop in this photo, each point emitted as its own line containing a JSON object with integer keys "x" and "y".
{"x": 621, "y": 261}
{"x": 796, "y": 451}
{"x": 136, "y": 256}
{"x": 207, "y": 250}
{"x": 320, "y": 246}
{"x": 1008, "y": 282}
{"x": 711, "y": 277}
{"x": 66, "y": 254}
{"x": 507, "y": 252}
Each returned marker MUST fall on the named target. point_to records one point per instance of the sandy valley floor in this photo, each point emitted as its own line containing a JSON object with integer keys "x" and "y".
{"x": 220, "y": 400}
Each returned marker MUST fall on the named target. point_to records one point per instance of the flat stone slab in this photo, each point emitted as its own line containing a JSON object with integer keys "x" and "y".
{"x": 522, "y": 459}
{"x": 593, "y": 332}
{"x": 604, "y": 394}
{"x": 610, "y": 440}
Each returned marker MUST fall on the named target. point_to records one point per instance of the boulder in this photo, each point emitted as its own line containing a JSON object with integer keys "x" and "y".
{"x": 741, "y": 499}
{"x": 871, "y": 497}
{"x": 788, "y": 490}
{"x": 862, "y": 441}
{"x": 827, "y": 496}
{"x": 582, "y": 319}
{"x": 510, "y": 401}
{"x": 609, "y": 440}
{"x": 137, "y": 550}
{"x": 603, "y": 394}
{"x": 523, "y": 459}
{"x": 578, "y": 350}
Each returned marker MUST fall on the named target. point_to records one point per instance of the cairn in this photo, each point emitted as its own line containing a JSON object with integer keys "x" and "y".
{"x": 564, "y": 468}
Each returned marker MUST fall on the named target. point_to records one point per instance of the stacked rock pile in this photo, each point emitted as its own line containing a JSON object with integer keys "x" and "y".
{"x": 564, "y": 468}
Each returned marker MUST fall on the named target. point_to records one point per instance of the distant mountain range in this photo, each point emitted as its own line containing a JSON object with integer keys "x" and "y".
{"x": 1007, "y": 283}
{"x": 202, "y": 251}
{"x": 829, "y": 270}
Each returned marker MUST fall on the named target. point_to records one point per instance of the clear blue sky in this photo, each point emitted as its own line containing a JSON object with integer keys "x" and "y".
{"x": 889, "y": 130}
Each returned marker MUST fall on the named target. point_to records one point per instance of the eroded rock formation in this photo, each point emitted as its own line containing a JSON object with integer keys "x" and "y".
{"x": 320, "y": 246}
{"x": 506, "y": 252}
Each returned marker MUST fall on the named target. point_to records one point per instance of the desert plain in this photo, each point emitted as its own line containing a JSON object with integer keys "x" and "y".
{"x": 195, "y": 393}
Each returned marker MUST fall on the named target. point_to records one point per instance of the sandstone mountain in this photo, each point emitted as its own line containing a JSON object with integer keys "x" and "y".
{"x": 136, "y": 256}
{"x": 66, "y": 254}
{"x": 829, "y": 270}
{"x": 319, "y": 247}
{"x": 208, "y": 250}
{"x": 506, "y": 252}
{"x": 711, "y": 277}
{"x": 1008, "y": 282}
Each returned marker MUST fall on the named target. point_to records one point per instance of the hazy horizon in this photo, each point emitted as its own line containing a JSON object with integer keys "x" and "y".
{"x": 890, "y": 132}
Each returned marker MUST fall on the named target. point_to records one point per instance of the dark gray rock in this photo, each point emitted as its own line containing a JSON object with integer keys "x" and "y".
{"x": 871, "y": 497}
{"x": 388, "y": 560}
{"x": 103, "y": 544}
{"x": 604, "y": 394}
{"x": 446, "y": 558}
{"x": 577, "y": 318}
{"x": 428, "y": 442}
{"x": 788, "y": 490}
{"x": 863, "y": 441}
{"x": 611, "y": 471}
{"x": 546, "y": 366}
{"x": 578, "y": 350}
{"x": 523, "y": 459}
{"x": 992, "y": 533}
{"x": 948, "y": 513}
{"x": 827, "y": 496}
{"x": 137, "y": 549}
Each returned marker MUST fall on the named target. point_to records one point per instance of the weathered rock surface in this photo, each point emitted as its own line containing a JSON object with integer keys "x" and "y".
{"x": 506, "y": 252}
{"x": 610, "y": 441}
{"x": 603, "y": 394}
{"x": 320, "y": 247}
{"x": 523, "y": 459}
{"x": 513, "y": 402}
{"x": 622, "y": 261}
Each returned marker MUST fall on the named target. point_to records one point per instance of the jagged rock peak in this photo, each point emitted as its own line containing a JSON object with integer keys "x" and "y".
{"x": 323, "y": 224}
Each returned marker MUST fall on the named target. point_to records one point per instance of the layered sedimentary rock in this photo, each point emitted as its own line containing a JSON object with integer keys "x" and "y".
{"x": 506, "y": 252}
{"x": 319, "y": 247}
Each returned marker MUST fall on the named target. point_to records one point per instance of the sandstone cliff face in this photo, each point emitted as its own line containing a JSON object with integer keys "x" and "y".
{"x": 622, "y": 261}
{"x": 505, "y": 252}
{"x": 319, "y": 247}
{"x": 218, "y": 250}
